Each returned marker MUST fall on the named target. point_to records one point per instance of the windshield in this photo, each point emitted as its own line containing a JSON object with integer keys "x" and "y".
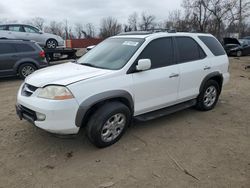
{"x": 112, "y": 53}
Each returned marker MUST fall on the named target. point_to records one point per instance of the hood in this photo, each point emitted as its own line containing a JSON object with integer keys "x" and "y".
{"x": 63, "y": 74}
{"x": 231, "y": 41}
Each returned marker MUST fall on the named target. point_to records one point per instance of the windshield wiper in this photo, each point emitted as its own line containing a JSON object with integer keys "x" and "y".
{"x": 90, "y": 65}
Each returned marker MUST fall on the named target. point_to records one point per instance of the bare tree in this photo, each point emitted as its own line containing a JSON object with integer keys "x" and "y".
{"x": 78, "y": 30}
{"x": 109, "y": 27}
{"x": 89, "y": 30}
{"x": 147, "y": 21}
{"x": 55, "y": 28}
{"x": 219, "y": 10}
{"x": 38, "y": 22}
{"x": 197, "y": 13}
{"x": 133, "y": 21}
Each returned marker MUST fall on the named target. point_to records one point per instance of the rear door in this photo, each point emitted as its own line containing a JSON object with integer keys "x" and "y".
{"x": 193, "y": 67}
{"x": 17, "y": 31}
{"x": 156, "y": 88}
{"x": 8, "y": 58}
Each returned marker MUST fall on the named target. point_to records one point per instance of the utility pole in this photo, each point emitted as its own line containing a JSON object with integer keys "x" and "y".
{"x": 240, "y": 19}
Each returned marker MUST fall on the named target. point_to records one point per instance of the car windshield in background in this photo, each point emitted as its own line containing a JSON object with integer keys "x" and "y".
{"x": 111, "y": 54}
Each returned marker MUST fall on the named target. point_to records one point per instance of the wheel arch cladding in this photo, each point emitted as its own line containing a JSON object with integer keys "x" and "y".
{"x": 88, "y": 106}
{"x": 217, "y": 76}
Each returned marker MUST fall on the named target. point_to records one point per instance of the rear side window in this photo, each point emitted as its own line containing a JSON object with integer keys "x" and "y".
{"x": 160, "y": 52}
{"x": 189, "y": 49}
{"x": 214, "y": 46}
{"x": 6, "y": 48}
{"x": 24, "y": 48}
{"x": 16, "y": 28}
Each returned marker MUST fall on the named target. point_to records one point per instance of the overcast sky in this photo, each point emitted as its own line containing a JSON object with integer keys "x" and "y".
{"x": 84, "y": 11}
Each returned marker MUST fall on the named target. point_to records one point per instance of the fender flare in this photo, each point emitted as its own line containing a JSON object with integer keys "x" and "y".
{"x": 87, "y": 104}
{"x": 209, "y": 76}
{"x": 23, "y": 61}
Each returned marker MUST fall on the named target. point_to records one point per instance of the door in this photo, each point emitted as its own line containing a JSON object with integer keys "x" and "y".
{"x": 32, "y": 33}
{"x": 8, "y": 59}
{"x": 193, "y": 67}
{"x": 156, "y": 88}
{"x": 16, "y": 31}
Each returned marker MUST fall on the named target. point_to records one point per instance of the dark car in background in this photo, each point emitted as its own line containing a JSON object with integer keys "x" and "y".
{"x": 235, "y": 47}
{"x": 20, "y": 58}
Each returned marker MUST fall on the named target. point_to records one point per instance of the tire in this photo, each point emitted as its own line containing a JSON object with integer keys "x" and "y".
{"x": 239, "y": 53}
{"x": 51, "y": 44}
{"x": 209, "y": 96}
{"x": 103, "y": 128}
{"x": 26, "y": 69}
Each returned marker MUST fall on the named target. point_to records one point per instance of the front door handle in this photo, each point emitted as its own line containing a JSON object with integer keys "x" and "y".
{"x": 207, "y": 68}
{"x": 174, "y": 75}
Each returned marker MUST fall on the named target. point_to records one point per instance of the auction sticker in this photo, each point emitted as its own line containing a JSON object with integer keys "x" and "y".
{"x": 130, "y": 43}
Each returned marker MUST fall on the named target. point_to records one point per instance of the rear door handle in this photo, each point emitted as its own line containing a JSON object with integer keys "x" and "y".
{"x": 174, "y": 75}
{"x": 207, "y": 68}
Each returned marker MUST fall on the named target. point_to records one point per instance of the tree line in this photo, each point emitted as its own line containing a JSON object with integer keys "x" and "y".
{"x": 219, "y": 17}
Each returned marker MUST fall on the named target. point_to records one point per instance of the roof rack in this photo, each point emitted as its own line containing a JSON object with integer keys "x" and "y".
{"x": 148, "y": 31}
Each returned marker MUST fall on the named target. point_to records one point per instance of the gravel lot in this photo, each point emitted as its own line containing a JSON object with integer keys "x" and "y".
{"x": 186, "y": 149}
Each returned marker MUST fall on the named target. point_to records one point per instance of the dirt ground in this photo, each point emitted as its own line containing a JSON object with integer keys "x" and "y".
{"x": 185, "y": 149}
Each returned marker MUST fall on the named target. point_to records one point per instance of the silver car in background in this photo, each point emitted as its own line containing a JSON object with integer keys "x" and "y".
{"x": 28, "y": 32}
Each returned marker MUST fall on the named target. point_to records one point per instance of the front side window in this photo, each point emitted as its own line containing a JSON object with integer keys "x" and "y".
{"x": 112, "y": 53}
{"x": 6, "y": 48}
{"x": 189, "y": 49}
{"x": 30, "y": 29}
{"x": 15, "y": 28}
{"x": 160, "y": 52}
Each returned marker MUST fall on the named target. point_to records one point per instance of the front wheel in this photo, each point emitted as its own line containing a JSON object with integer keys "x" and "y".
{"x": 26, "y": 69}
{"x": 209, "y": 96}
{"x": 107, "y": 125}
{"x": 51, "y": 44}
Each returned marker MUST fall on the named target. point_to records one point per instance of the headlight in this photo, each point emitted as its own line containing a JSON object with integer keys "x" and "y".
{"x": 55, "y": 93}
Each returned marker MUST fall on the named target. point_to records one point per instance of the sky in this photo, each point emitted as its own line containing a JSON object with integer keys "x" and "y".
{"x": 84, "y": 11}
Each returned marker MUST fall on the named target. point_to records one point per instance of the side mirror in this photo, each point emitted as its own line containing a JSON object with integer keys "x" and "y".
{"x": 40, "y": 32}
{"x": 143, "y": 64}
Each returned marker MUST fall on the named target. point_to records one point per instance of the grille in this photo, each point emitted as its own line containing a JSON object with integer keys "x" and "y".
{"x": 28, "y": 90}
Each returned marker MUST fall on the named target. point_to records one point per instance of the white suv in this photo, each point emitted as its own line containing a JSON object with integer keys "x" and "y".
{"x": 140, "y": 75}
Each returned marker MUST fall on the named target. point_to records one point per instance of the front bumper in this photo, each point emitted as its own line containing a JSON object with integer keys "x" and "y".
{"x": 60, "y": 115}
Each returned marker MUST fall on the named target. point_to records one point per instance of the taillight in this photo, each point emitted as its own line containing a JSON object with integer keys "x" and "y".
{"x": 42, "y": 54}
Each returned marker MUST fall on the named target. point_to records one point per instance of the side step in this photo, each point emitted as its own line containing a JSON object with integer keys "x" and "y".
{"x": 165, "y": 111}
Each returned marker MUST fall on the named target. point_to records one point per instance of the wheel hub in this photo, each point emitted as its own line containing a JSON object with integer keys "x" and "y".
{"x": 113, "y": 127}
{"x": 210, "y": 96}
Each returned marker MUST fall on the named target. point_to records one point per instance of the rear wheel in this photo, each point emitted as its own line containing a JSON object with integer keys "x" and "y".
{"x": 51, "y": 44}
{"x": 107, "y": 125}
{"x": 209, "y": 95}
{"x": 26, "y": 69}
{"x": 239, "y": 53}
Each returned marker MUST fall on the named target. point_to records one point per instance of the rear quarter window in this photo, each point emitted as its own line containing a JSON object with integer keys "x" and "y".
{"x": 214, "y": 46}
{"x": 7, "y": 48}
{"x": 24, "y": 48}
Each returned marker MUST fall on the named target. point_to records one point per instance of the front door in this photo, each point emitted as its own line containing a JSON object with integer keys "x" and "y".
{"x": 156, "y": 88}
